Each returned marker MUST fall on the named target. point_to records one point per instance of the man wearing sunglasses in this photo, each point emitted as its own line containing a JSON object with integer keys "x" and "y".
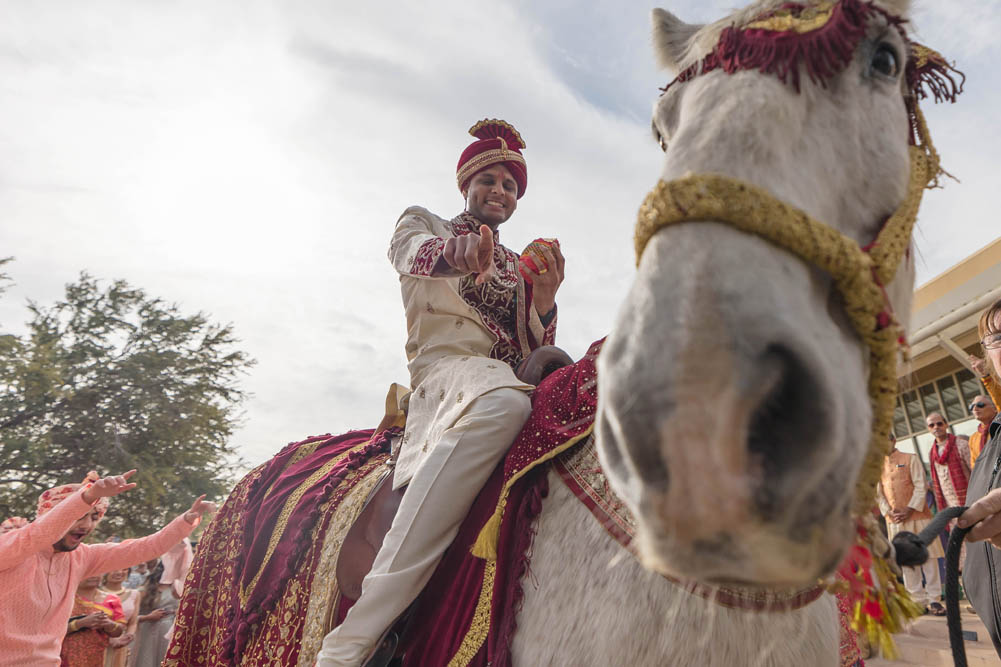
{"x": 950, "y": 464}
{"x": 984, "y": 411}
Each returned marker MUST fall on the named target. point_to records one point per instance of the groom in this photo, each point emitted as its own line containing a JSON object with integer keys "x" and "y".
{"x": 471, "y": 317}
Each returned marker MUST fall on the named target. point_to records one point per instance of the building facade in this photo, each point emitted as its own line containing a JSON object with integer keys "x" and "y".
{"x": 943, "y": 332}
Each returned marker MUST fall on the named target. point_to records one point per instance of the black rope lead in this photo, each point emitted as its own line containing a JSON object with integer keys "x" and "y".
{"x": 912, "y": 551}
{"x": 952, "y": 593}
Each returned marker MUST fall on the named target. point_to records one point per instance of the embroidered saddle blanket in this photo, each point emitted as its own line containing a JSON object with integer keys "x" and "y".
{"x": 262, "y": 588}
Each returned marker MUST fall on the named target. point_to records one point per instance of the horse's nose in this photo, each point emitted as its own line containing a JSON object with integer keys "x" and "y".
{"x": 730, "y": 440}
{"x": 785, "y": 426}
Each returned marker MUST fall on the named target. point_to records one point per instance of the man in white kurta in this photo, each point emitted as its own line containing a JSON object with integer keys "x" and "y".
{"x": 901, "y": 496}
{"x": 471, "y": 318}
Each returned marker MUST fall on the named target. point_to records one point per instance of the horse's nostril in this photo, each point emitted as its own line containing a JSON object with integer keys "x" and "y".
{"x": 633, "y": 452}
{"x": 786, "y": 421}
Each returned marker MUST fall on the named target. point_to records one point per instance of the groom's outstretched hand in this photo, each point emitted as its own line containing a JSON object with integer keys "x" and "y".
{"x": 471, "y": 253}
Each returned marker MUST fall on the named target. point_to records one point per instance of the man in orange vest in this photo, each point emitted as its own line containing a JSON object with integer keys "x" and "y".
{"x": 901, "y": 496}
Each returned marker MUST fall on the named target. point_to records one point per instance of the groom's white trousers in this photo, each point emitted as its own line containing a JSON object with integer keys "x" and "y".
{"x": 435, "y": 503}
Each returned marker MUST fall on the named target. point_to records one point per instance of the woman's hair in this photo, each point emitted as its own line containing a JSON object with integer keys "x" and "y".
{"x": 989, "y": 325}
{"x": 149, "y": 590}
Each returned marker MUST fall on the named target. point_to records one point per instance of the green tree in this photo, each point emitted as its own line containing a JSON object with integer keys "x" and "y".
{"x": 109, "y": 379}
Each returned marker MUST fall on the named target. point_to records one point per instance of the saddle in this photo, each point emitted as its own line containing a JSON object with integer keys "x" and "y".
{"x": 364, "y": 539}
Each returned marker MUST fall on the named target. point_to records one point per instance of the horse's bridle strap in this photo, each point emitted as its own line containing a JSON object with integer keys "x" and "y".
{"x": 859, "y": 274}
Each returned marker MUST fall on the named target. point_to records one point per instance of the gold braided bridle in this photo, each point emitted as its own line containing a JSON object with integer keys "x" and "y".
{"x": 859, "y": 275}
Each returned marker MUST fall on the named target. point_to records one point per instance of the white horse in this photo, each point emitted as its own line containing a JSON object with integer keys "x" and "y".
{"x": 733, "y": 413}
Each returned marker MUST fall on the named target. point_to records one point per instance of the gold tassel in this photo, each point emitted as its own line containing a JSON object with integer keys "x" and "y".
{"x": 486, "y": 542}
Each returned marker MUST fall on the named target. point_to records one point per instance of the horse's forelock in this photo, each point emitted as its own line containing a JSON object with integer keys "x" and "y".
{"x": 706, "y": 39}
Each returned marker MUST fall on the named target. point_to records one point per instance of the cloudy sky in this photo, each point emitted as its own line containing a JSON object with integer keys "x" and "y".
{"x": 249, "y": 159}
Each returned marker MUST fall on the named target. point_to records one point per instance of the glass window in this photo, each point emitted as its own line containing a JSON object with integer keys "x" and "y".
{"x": 914, "y": 415}
{"x": 900, "y": 427}
{"x": 955, "y": 407}
{"x": 969, "y": 385}
{"x": 929, "y": 399}
{"x": 906, "y": 445}
{"x": 966, "y": 427}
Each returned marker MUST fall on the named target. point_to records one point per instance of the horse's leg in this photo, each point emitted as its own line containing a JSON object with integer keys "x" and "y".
{"x": 588, "y": 601}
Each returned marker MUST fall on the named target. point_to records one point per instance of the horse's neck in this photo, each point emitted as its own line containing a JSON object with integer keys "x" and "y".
{"x": 589, "y": 602}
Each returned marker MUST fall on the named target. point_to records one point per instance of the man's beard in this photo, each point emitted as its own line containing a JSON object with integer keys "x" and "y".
{"x": 62, "y": 546}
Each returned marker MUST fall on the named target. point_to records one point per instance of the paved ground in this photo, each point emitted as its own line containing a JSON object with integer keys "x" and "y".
{"x": 926, "y": 644}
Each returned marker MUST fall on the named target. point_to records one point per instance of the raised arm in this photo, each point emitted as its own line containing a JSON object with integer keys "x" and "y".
{"x": 107, "y": 557}
{"x": 544, "y": 284}
{"x": 415, "y": 249}
{"x": 979, "y": 366}
{"x": 993, "y": 390}
{"x": 418, "y": 252}
{"x": 42, "y": 533}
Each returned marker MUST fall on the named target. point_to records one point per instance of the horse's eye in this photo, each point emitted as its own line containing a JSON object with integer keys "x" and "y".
{"x": 884, "y": 61}
{"x": 660, "y": 139}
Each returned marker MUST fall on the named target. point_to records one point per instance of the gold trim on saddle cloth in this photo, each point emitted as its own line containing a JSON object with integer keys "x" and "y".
{"x": 486, "y": 542}
{"x": 325, "y": 594}
{"x": 479, "y": 627}
{"x": 287, "y": 509}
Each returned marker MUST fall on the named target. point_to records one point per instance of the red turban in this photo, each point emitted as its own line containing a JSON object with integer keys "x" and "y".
{"x": 497, "y": 143}
{"x": 56, "y": 495}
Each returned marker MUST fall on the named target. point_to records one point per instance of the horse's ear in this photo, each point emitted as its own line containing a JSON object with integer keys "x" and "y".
{"x": 899, "y": 8}
{"x": 670, "y": 38}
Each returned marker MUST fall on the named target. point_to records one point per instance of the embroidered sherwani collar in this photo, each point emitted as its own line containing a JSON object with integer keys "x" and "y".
{"x": 466, "y": 222}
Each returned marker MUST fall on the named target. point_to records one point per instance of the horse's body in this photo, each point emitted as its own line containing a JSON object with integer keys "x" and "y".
{"x": 590, "y": 602}
{"x": 733, "y": 418}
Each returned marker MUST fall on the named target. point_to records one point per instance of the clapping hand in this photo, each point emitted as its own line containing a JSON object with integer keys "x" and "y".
{"x": 95, "y": 620}
{"x": 110, "y": 627}
{"x": 106, "y": 487}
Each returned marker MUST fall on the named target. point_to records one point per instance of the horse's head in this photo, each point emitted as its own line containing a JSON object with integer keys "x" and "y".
{"x": 734, "y": 416}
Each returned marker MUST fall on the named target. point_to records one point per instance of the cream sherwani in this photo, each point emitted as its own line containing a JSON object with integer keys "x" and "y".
{"x": 465, "y": 408}
{"x": 463, "y": 340}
